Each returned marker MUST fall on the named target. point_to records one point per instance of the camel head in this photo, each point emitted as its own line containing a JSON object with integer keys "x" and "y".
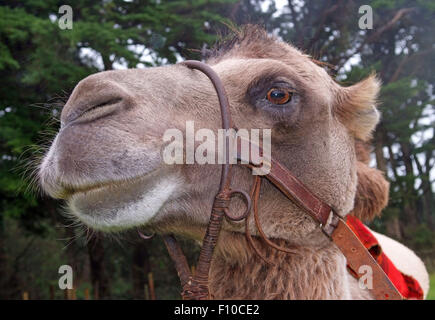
{"x": 107, "y": 159}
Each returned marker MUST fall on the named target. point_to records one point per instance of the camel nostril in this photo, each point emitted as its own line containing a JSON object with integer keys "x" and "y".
{"x": 94, "y": 97}
{"x": 104, "y": 104}
{"x": 97, "y": 110}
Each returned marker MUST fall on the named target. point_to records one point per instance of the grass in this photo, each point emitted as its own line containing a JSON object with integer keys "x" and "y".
{"x": 431, "y": 294}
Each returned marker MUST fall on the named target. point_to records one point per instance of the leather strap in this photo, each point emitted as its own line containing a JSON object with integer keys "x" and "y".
{"x": 286, "y": 182}
{"x": 333, "y": 226}
{"x": 358, "y": 256}
{"x": 295, "y": 190}
{"x": 177, "y": 255}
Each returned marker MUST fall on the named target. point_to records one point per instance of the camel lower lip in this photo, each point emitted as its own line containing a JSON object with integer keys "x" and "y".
{"x": 69, "y": 192}
{"x": 119, "y": 206}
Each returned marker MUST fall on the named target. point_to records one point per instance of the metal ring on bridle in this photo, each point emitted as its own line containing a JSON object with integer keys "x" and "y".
{"x": 247, "y": 198}
{"x": 144, "y": 236}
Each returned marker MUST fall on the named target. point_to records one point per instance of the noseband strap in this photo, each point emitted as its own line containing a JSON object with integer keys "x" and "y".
{"x": 196, "y": 287}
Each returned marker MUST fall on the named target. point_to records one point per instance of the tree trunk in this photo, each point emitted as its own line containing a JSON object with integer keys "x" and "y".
{"x": 99, "y": 277}
{"x": 392, "y": 224}
{"x": 140, "y": 269}
{"x": 410, "y": 194}
{"x": 106, "y": 62}
{"x": 393, "y": 228}
{"x": 3, "y": 275}
{"x": 379, "y": 153}
{"x": 426, "y": 189}
{"x": 394, "y": 166}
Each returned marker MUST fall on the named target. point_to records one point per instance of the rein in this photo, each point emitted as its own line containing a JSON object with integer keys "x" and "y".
{"x": 195, "y": 286}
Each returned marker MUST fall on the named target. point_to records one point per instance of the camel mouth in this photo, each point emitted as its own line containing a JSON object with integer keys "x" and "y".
{"x": 68, "y": 191}
{"x": 120, "y": 205}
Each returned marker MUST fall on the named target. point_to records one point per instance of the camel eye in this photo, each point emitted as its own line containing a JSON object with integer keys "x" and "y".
{"x": 279, "y": 96}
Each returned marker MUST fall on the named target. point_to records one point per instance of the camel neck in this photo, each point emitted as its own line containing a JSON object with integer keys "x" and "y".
{"x": 314, "y": 273}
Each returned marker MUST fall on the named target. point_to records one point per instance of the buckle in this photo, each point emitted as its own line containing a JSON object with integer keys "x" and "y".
{"x": 331, "y": 223}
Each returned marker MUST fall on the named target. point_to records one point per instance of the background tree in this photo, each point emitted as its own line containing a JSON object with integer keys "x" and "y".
{"x": 40, "y": 65}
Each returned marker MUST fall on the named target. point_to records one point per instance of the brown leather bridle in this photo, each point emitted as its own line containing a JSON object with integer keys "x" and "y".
{"x": 195, "y": 286}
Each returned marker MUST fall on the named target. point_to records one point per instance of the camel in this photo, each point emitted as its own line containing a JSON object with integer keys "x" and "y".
{"x": 106, "y": 163}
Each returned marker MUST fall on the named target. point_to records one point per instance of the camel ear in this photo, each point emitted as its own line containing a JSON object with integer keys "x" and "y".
{"x": 371, "y": 193}
{"x": 356, "y": 107}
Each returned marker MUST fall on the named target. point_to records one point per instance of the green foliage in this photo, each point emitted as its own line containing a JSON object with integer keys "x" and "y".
{"x": 33, "y": 262}
{"x": 423, "y": 237}
{"x": 431, "y": 294}
{"x": 40, "y": 65}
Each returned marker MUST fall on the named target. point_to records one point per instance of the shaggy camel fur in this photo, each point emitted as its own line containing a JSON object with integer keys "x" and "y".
{"x": 106, "y": 160}
{"x": 237, "y": 270}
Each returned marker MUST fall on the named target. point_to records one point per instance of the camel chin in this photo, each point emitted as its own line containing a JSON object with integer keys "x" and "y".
{"x": 123, "y": 205}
